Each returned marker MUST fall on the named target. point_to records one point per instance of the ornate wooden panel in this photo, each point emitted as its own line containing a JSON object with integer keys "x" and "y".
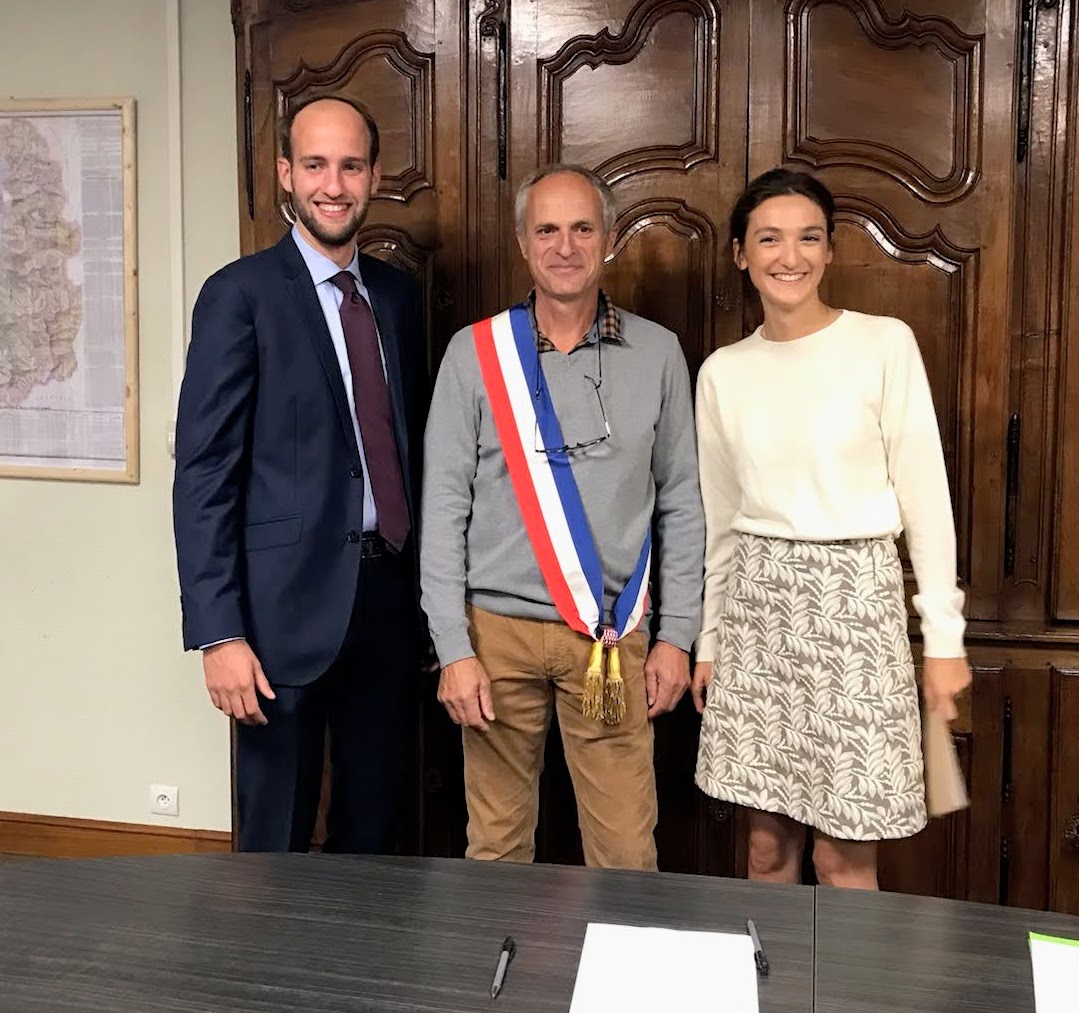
{"x": 679, "y": 128}
{"x": 1066, "y": 517}
{"x": 1040, "y": 285}
{"x": 650, "y": 94}
{"x": 922, "y": 189}
{"x": 833, "y": 118}
{"x": 1027, "y": 761}
{"x": 488, "y": 202}
{"x": 1064, "y": 810}
{"x": 665, "y": 258}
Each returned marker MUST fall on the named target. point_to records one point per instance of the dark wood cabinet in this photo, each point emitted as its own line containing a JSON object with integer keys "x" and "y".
{"x": 947, "y": 131}
{"x": 1064, "y": 811}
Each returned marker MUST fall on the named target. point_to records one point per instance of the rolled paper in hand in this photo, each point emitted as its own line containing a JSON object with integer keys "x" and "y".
{"x": 945, "y": 786}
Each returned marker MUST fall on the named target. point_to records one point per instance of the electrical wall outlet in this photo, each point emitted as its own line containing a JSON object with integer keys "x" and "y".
{"x": 164, "y": 799}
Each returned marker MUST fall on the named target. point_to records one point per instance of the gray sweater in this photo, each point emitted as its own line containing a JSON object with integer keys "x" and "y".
{"x": 474, "y": 546}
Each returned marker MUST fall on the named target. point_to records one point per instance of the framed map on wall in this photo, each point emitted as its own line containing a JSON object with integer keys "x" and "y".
{"x": 69, "y": 391}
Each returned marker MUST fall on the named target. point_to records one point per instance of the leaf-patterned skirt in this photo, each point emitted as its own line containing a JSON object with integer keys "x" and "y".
{"x": 813, "y": 709}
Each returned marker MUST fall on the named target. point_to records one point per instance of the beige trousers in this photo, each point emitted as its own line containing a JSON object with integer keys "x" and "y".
{"x": 535, "y": 668}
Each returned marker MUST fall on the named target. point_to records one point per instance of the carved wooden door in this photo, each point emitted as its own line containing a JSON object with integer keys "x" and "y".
{"x": 904, "y": 108}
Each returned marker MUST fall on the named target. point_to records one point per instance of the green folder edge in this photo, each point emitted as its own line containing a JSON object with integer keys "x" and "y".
{"x": 1053, "y": 939}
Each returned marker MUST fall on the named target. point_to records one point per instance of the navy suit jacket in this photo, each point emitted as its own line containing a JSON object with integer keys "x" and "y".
{"x": 268, "y": 491}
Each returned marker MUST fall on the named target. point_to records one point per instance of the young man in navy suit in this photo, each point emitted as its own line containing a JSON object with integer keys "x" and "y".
{"x": 298, "y": 441}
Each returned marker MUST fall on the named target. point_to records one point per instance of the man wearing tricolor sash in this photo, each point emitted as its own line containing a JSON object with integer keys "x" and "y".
{"x": 560, "y": 497}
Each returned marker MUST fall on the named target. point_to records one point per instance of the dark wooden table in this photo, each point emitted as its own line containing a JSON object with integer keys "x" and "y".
{"x": 270, "y": 933}
{"x": 894, "y": 953}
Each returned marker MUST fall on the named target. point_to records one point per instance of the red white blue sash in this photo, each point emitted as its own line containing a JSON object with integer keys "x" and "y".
{"x": 544, "y": 485}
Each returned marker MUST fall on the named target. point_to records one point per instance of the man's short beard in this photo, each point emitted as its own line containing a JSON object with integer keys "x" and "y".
{"x": 333, "y": 240}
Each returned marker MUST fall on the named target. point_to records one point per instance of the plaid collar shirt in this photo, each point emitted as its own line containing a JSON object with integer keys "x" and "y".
{"x": 608, "y": 320}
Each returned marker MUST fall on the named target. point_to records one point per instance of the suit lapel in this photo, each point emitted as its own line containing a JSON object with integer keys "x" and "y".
{"x": 302, "y": 290}
{"x": 386, "y": 321}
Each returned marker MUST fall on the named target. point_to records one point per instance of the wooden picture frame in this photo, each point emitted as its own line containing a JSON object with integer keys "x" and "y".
{"x": 69, "y": 388}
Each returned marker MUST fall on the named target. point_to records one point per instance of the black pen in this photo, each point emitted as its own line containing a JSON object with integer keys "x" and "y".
{"x": 504, "y": 958}
{"x": 758, "y": 952}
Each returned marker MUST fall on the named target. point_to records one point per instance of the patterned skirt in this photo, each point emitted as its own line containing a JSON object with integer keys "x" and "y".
{"x": 813, "y": 710}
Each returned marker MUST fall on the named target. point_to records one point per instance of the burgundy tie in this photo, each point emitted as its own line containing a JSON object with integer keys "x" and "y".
{"x": 373, "y": 412}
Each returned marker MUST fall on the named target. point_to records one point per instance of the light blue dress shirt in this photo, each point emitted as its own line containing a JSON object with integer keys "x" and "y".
{"x": 322, "y": 269}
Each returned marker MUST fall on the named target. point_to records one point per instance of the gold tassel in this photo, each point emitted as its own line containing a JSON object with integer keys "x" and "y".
{"x": 592, "y": 700}
{"x": 614, "y": 691}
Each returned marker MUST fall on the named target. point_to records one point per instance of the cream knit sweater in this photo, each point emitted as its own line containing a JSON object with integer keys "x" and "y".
{"x": 829, "y": 436}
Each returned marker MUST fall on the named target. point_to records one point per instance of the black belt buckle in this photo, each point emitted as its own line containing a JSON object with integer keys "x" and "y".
{"x": 371, "y": 545}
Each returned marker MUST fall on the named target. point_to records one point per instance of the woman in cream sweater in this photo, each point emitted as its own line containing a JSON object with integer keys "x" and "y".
{"x": 818, "y": 444}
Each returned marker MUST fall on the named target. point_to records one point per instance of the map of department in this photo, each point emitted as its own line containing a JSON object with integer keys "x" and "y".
{"x": 62, "y": 312}
{"x": 40, "y": 305}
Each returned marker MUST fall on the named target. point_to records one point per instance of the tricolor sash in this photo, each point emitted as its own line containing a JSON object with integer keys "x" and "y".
{"x": 551, "y": 506}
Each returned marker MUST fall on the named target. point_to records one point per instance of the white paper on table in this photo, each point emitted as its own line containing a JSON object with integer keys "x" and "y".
{"x": 632, "y": 969}
{"x": 1056, "y": 973}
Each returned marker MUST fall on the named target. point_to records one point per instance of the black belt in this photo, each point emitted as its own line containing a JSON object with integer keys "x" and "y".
{"x": 372, "y": 545}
